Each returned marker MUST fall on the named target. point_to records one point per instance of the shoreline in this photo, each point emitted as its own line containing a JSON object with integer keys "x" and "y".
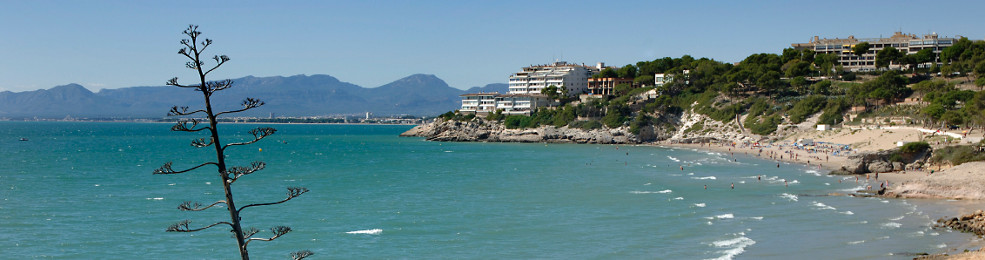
{"x": 973, "y": 248}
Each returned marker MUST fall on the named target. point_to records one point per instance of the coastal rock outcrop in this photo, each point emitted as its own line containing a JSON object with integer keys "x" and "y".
{"x": 481, "y": 130}
{"x": 972, "y": 223}
{"x": 881, "y": 161}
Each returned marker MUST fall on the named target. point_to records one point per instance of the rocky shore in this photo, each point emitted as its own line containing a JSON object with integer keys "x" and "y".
{"x": 480, "y": 130}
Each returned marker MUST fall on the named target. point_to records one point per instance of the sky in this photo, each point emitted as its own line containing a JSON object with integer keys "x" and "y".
{"x": 105, "y": 44}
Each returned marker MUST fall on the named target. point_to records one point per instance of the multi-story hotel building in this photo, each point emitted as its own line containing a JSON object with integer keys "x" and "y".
{"x": 905, "y": 43}
{"x": 533, "y": 79}
{"x": 525, "y": 89}
{"x": 478, "y": 103}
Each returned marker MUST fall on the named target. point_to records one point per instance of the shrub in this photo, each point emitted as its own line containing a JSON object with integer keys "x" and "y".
{"x": 915, "y": 147}
{"x": 957, "y": 154}
{"x": 586, "y": 125}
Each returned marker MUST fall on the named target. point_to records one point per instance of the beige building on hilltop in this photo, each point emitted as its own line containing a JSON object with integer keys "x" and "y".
{"x": 905, "y": 43}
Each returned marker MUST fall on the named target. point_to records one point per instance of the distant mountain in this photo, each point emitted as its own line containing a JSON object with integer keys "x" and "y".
{"x": 500, "y": 88}
{"x": 298, "y": 95}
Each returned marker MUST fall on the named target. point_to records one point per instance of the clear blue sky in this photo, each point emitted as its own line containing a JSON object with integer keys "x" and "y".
{"x": 113, "y": 44}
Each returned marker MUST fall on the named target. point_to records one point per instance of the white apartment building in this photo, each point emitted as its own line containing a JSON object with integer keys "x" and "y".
{"x": 521, "y": 104}
{"x": 533, "y": 79}
{"x": 905, "y": 43}
{"x": 660, "y": 79}
{"x": 478, "y": 103}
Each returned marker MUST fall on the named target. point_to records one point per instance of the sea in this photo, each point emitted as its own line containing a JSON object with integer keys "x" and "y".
{"x": 84, "y": 190}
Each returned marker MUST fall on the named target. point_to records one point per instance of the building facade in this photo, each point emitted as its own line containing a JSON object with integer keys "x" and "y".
{"x": 521, "y": 104}
{"x": 661, "y": 79}
{"x": 478, "y": 103}
{"x": 533, "y": 79}
{"x": 605, "y": 86}
{"x": 905, "y": 43}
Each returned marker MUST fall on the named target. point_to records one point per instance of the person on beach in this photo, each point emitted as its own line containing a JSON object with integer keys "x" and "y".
{"x": 759, "y": 177}
{"x": 777, "y": 165}
{"x": 733, "y": 185}
{"x": 706, "y": 186}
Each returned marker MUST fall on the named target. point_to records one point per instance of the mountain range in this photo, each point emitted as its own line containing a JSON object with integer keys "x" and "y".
{"x": 300, "y": 95}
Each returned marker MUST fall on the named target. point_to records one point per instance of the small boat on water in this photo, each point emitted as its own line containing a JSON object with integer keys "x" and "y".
{"x": 23, "y": 139}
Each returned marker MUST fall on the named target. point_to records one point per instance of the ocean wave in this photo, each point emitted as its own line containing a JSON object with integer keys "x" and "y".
{"x": 848, "y": 212}
{"x": 897, "y": 218}
{"x": 856, "y": 242}
{"x": 891, "y": 225}
{"x": 789, "y": 196}
{"x": 679, "y": 198}
{"x": 700, "y": 205}
{"x": 158, "y": 198}
{"x": 375, "y": 231}
{"x": 814, "y": 172}
{"x": 822, "y": 205}
{"x": 757, "y": 218}
{"x": 725, "y": 216}
{"x": 651, "y": 192}
{"x": 673, "y": 159}
{"x": 704, "y": 178}
{"x": 736, "y": 247}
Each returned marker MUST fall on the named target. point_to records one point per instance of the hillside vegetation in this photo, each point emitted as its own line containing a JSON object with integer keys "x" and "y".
{"x": 766, "y": 90}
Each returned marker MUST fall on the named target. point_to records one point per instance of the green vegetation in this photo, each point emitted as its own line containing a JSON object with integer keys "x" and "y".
{"x": 914, "y": 147}
{"x": 956, "y": 155}
{"x": 769, "y": 89}
{"x": 586, "y": 125}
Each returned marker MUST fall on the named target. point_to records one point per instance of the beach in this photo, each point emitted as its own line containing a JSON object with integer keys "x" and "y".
{"x": 962, "y": 182}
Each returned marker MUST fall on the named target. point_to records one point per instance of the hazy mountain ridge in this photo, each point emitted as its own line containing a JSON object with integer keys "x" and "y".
{"x": 299, "y": 95}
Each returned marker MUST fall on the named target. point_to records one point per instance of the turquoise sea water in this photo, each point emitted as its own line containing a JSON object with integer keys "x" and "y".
{"x": 85, "y": 191}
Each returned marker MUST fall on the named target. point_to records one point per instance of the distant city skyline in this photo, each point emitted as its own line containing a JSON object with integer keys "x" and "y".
{"x": 115, "y": 44}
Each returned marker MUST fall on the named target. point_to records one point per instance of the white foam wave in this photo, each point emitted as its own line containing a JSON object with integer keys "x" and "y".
{"x": 856, "y": 242}
{"x": 375, "y": 231}
{"x": 897, "y": 218}
{"x": 848, "y": 212}
{"x": 757, "y": 218}
{"x": 822, "y": 205}
{"x": 942, "y": 246}
{"x": 673, "y": 159}
{"x": 158, "y": 198}
{"x": 725, "y": 216}
{"x": 679, "y": 198}
{"x": 650, "y": 192}
{"x": 891, "y": 225}
{"x": 789, "y": 196}
{"x": 814, "y": 172}
{"x": 736, "y": 246}
{"x": 700, "y": 205}
{"x": 704, "y": 178}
